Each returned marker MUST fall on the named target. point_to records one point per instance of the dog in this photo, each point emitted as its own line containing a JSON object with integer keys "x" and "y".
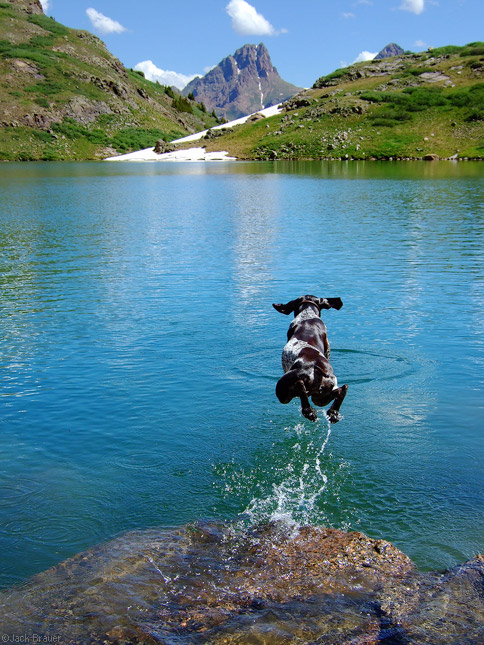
{"x": 305, "y": 358}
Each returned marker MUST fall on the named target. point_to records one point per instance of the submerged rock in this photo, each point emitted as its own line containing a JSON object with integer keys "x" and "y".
{"x": 213, "y": 583}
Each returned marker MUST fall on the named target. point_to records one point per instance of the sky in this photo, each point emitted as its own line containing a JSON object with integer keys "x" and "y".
{"x": 173, "y": 41}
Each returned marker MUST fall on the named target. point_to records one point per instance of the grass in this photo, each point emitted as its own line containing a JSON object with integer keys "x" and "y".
{"x": 49, "y": 24}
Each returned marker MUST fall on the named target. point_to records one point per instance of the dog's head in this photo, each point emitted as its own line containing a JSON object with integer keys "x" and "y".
{"x": 301, "y": 303}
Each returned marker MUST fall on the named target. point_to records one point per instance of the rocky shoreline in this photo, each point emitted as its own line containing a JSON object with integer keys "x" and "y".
{"x": 216, "y": 583}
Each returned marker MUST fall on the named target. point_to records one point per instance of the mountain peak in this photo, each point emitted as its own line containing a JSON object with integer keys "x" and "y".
{"x": 241, "y": 83}
{"x": 392, "y": 49}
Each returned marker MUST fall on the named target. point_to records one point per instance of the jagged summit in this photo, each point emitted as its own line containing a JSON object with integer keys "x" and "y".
{"x": 392, "y": 49}
{"x": 241, "y": 84}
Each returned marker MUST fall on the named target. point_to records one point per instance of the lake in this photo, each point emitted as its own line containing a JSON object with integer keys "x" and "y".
{"x": 140, "y": 352}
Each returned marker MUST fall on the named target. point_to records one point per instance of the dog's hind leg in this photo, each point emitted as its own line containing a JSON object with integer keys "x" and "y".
{"x": 306, "y": 408}
{"x": 333, "y": 412}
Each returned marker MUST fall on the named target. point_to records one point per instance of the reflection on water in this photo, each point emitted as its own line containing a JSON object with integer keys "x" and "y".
{"x": 140, "y": 351}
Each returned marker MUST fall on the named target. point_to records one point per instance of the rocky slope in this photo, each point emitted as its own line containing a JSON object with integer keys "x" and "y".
{"x": 64, "y": 96}
{"x": 212, "y": 583}
{"x": 410, "y": 106}
{"x": 241, "y": 84}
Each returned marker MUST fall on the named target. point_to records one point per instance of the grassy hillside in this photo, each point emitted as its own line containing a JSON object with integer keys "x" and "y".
{"x": 405, "y": 107}
{"x": 64, "y": 96}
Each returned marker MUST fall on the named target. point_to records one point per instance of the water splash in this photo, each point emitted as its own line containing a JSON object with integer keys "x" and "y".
{"x": 285, "y": 482}
{"x": 298, "y": 484}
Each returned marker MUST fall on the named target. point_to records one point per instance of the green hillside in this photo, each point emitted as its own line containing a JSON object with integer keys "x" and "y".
{"x": 64, "y": 96}
{"x": 404, "y": 107}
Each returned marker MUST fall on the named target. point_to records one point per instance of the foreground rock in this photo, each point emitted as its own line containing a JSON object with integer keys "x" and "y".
{"x": 211, "y": 583}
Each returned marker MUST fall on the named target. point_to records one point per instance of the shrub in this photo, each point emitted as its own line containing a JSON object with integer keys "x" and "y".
{"x": 41, "y": 42}
{"x": 473, "y": 49}
{"x": 395, "y": 115}
{"x": 50, "y": 155}
{"x": 416, "y": 71}
{"x": 338, "y": 73}
{"x": 43, "y": 102}
{"x": 182, "y": 104}
{"x": 472, "y": 97}
{"x": 384, "y": 122}
{"x": 421, "y": 98}
{"x": 47, "y": 88}
{"x": 70, "y": 128}
{"x": 449, "y": 49}
{"x": 130, "y": 139}
{"x": 476, "y": 115}
{"x": 73, "y": 130}
{"x": 43, "y": 136}
{"x": 43, "y": 57}
{"x": 412, "y": 99}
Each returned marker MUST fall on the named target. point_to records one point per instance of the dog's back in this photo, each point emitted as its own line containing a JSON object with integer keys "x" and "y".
{"x": 305, "y": 358}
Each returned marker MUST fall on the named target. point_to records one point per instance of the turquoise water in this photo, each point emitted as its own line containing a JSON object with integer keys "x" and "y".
{"x": 140, "y": 352}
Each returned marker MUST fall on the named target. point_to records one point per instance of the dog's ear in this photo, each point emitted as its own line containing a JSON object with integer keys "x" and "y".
{"x": 330, "y": 303}
{"x": 285, "y": 309}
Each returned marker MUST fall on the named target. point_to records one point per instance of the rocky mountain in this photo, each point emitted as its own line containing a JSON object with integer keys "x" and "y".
{"x": 390, "y": 50}
{"x": 63, "y": 95}
{"x": 241, "y": 84}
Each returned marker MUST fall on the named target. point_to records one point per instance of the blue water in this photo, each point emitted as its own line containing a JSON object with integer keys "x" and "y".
{"x": 140, "y": 351}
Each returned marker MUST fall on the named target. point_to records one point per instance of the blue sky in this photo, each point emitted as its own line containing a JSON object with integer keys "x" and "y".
{"x": 172, "y": 41}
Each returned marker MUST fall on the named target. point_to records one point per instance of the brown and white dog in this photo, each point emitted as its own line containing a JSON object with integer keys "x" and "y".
{"x": 305, "y": 358}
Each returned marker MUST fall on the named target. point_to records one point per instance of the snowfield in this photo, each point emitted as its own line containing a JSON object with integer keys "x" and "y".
{"x": 192, "y": 154}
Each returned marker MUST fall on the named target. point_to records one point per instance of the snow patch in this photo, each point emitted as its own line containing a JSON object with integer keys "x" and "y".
{"x": 193, "y": 154}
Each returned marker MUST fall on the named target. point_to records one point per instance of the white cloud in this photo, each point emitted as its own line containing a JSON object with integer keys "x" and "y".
{"x": 349, "y": 15}
{"x": 104, "y": 24}
{"x": 414, "y": 6}
{"x": 45, "y": 5}
{"x": 364, "y": 55}
{"x": 165, "y": 77}
{"x": 420, "y": 43}
{"x": 248, "y": 22}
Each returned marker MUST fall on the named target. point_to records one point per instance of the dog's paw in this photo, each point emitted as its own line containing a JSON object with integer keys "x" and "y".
{"x": 310, "y": 414}
{"x": 333, "y": 416}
